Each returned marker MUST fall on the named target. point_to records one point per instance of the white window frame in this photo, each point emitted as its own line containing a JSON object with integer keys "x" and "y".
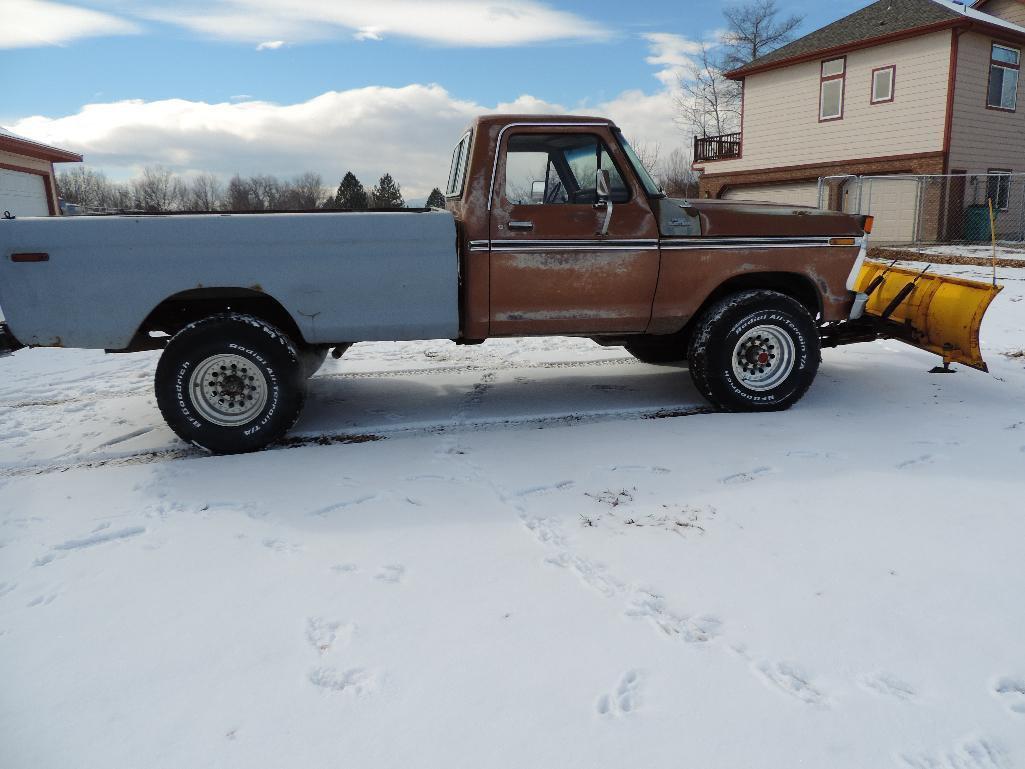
{"x": 995, "y": 64}
{"x": 891, "y": 69}
{"x": 832, "y": 77}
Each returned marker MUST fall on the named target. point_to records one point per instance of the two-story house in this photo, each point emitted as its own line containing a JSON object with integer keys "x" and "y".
{"x": 899, "y": 87}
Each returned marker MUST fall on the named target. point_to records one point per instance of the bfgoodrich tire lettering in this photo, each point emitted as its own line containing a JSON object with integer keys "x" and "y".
{"x": 230, "y": 383}
{"x": 755, "y": 351}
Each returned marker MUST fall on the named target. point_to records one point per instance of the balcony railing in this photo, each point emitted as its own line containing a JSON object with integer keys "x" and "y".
{"x": 722, "y": 147}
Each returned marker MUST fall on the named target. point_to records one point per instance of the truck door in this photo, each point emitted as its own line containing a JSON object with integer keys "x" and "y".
{"x": 553, "y": 269}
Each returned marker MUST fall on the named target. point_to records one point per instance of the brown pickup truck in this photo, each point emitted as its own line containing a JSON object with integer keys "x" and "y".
{"x": 552, "y": 227}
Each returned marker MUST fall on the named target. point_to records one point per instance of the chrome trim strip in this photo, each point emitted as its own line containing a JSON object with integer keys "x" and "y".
{"x": 594, "y": 247}
{"x": 729, "y": 243}
{"x": 507, "y": 126}
{"x": 642, "y": 244}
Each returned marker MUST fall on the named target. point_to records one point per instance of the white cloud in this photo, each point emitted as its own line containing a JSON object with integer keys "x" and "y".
{"x": 270, "y": 45}
{"x": 407, "y": 131}
{"x": 672, "y": 54}
{"x": 444, "y": 22}
{"x": 28, "y": 23}
{"x": 368, "y": 33}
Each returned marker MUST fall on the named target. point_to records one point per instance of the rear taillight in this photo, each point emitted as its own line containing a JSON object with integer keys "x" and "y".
{"x": 869, "y": 222}
{"x": 37, "y": 257}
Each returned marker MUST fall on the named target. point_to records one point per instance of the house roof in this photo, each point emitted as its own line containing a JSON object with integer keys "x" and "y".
{"x": 876, "y": 23}
{"x": 20, "y": 145}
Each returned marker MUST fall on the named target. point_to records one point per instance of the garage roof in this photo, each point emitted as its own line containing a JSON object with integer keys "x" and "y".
{"x": 20, "y": 145}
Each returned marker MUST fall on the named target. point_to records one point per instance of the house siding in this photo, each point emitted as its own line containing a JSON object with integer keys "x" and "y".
{"x": 983, "y": 138}
{"x": 781, "y": 110}
{"x": 1008, "y": 10}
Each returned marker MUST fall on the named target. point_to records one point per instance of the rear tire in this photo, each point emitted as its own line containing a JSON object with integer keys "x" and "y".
{"x": 230, "y": 383}
{"x": 657, "y": 350}
{"x": 755, "y": 351}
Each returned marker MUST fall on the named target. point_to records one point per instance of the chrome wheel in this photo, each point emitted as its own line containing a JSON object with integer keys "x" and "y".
{"x": 228, "y": 390}
{"x": 763, "y": 358}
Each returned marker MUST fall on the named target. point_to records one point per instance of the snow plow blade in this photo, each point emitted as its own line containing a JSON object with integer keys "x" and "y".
{"x": 936, "y": 313}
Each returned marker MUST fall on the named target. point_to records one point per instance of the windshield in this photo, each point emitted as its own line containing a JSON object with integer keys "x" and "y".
{"x": 649, "y": 184}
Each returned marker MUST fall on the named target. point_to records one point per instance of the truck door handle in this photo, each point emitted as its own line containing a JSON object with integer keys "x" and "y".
{"x": 521, "y": 225}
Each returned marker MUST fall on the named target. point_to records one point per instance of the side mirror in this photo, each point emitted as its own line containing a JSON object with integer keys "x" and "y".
{"x": 537, "y": 192}
{"x": 603, "y": 184}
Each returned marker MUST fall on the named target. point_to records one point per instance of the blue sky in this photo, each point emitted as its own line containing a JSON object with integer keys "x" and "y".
{"x": 167, "y": 61}
{"x": 325, "y": 85}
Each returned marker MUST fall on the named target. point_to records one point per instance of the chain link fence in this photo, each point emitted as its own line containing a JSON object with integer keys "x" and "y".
{"x": 952, "y": 209}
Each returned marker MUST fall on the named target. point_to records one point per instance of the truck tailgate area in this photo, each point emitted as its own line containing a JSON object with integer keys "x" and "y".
{"x": 343, "y": 277}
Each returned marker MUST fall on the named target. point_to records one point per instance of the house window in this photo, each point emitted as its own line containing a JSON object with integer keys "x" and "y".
{"x": 998, "y": 188}
{"x": 883, "y": 80}
{"x": 1004, "y": 65}
{"x": 831, "y": 89}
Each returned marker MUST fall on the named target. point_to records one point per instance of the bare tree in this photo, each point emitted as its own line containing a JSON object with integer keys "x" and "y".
{"x": 648, "y": 154}
{"x": 754, "y": 29}
{"x": 205, "y": 193}
{"x": 307, "y": 191}
{"x": 676, "y": 176}
{"x": 708, "y": 104}
{"x": 157, "y": 189}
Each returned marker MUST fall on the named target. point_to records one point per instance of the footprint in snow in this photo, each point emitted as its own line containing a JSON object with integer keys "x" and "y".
{"x": 746, "y": 477}
{"x": 888, "y": 686}
{"x": 355, "y": 680}
{"x": 909, "y": 464}
{"x": 1012, "y": 691}
{"x": 790, "y": 680}
{"x": 623, "y": 699}
{"x": 7, "y": 587}
{"x": 972, "y": 754}
{"x": 41, "y": 600}
{"x": 392, "y": 573}
{"x": 323, "y": 634}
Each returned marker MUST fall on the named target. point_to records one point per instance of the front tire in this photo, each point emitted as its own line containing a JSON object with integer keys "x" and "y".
{"x": 230, "y": 383}
{"x": 755, "y": 351}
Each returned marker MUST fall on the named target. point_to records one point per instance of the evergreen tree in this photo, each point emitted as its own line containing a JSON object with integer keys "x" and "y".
{"x": 388, "y": 193}
{"x": 435, "y": 199}
{"x": 351, "y": 194}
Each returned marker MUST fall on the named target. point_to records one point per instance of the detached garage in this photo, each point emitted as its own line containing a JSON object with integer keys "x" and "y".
{"x": 27, "y": 184}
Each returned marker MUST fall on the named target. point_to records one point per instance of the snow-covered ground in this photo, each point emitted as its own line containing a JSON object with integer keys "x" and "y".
{"x": 552, "y": 556}
{"x": 1014, "y": 251}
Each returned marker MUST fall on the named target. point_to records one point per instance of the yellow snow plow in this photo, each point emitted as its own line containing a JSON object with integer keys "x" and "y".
{"x": 933, "y": 312}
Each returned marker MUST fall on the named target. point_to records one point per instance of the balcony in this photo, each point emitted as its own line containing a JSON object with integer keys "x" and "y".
{"x": 725, "y": 147}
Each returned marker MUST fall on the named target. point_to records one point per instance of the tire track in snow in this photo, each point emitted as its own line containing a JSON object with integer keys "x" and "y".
{"x": 396, "y": 431}
{"x": 341, "y": 375}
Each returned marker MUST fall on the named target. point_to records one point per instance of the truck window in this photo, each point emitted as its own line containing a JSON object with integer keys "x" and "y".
{"x": 457, "y": 171}
{"x": 556, "y": 169}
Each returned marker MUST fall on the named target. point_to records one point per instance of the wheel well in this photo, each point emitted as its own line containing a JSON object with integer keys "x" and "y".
{"x": 177, "y": 311}
{"x": 797, "y": 287}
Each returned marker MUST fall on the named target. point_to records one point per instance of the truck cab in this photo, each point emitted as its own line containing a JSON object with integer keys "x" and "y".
{"x": 563, "y": 231}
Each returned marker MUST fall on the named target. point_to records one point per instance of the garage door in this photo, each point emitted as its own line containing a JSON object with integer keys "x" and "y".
{"x": 22, "y": 194}
{"x": 892, "y": 201}
{"x": 795, "y": 194}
